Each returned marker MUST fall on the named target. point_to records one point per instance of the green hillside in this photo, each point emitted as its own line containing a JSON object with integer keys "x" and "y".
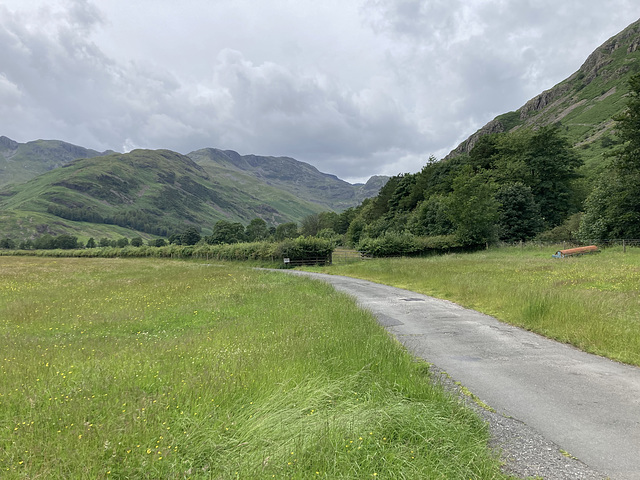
{"x": 20, "y": 162}
{"x": 584, "y": 104}
{"x": 299, "y": 178}
{"x": 563, "y": 167}
{"x": 154, "y": 192}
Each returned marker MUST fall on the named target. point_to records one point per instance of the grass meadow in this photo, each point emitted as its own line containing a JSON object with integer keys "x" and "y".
{"x": 591, "y": 301}
{"x": 160, "y": 369}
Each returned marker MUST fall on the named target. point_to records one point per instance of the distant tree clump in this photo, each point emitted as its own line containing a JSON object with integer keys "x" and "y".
{"x": 257, "y": 230}
{"x": 158, "y": 242}
{"x": 226, "y": 232}
{"x": 190, "y": 236}
{"x": 66, "y": 242}
{"x": 137, "y": 242}
{"x": 287, "y": 230}
{"x": 7, "y": 243}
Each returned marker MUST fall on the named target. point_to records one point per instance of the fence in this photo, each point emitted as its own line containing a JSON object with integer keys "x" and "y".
{"x": 346, "y": 255}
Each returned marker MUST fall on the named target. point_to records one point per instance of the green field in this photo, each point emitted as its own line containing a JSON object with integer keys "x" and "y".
{"x": 146, "y": 368}
{"x": 592, "y": 301}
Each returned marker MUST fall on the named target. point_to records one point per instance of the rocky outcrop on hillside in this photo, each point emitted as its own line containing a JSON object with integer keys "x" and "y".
{"x": 609, "y": 64}
{"x": 494, "y": 126}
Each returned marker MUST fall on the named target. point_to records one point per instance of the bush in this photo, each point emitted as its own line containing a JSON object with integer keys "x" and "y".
{"x": 407, "y": 244}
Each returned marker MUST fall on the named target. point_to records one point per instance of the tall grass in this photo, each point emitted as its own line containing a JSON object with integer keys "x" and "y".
{"x": 592, "y": 302}
{"x": 145, "y": 368}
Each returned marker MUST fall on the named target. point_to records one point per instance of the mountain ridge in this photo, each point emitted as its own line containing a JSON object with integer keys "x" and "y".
{"x": 158, "y": 192}
{"x": 599, "y": 80}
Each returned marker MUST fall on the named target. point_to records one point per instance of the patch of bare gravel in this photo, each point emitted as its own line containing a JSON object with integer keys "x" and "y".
{"x": 525, "y": 453}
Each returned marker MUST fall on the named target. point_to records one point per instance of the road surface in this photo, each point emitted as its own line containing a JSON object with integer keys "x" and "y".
{"x": 585, "y": 406}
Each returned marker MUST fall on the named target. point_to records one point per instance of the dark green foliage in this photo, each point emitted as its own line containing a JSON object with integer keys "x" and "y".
{"x": 104, "y": 242}
{"x": 396, "y": 244}
{"x": 612, "y": 209}
{"x": 354, "y": 232}
{"x": 257, "y": 230}
{"x": 122, "y": 242}
{"x": 190, "y": 236}
{"x": 226, "y": 232}
{"x": 7, "y": 243}
{"x": 286, "y": 230}
{"x": 158, "y": 242}
{"x": 66, "y": 242}
{"x": 473, "y": 210}
{"x": 431, "y": 218}
{"x": 305, "y": 248}
{"x": 567, "y": 232}
{"x": 91, "y": 243}
{"x": 310, "y": 225}
{"x": 44, "y": 242}
{"x": 628, "y": 129}
{"x": 136, "y": 242}
{"x": 519, "y": 215}
{"x": 552, "y": 165}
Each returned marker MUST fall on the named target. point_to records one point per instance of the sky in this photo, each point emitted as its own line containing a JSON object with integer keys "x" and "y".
{"x": 356, "y": 88}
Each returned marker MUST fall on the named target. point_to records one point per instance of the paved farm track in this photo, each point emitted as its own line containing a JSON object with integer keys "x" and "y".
{"x": 560, "y": 413}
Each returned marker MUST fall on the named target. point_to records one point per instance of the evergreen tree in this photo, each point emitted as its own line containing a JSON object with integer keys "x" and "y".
{"x": 519, "y": 215}
{"x": 472, "y": 209}
{"x": 612, "y": 209}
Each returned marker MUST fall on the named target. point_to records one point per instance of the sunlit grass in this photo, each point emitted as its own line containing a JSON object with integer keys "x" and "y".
{"x": 592, "y": 301}
{"x": 113, "y": 368}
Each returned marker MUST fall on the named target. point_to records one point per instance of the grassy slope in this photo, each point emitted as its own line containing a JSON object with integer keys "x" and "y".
{"x": 20, "y": 162}
{"x": 161, "y": 369}
{"x": 299, "y": 178}
{"x": 168, "y": 187}
{"x": 591, "y": 302}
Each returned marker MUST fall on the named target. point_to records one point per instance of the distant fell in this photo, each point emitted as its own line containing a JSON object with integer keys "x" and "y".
{"x": 20, "y": 162}
{"x": 299, "y": 178}
{"x": 160, "y": 192}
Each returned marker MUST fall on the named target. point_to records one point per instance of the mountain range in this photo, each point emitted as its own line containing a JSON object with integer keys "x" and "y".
{"x": 56, "y": 187}
{"x": 52, "y": 186}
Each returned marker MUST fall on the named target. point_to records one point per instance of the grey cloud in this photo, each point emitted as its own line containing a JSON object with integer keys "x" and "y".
{"x": 356, "y": 96}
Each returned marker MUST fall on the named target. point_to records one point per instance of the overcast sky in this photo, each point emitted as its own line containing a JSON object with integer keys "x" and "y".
{"x": 354, "y": 87}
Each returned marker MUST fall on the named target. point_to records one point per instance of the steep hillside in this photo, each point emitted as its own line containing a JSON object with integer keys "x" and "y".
{"x": 299, "y": 178}
{"x": 157, "y": 192}
{"x": 584, "y": 104}
{"x": 20, "y": 162}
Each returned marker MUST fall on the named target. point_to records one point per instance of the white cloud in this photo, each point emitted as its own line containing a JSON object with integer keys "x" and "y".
{"x": 355, "y": 88}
